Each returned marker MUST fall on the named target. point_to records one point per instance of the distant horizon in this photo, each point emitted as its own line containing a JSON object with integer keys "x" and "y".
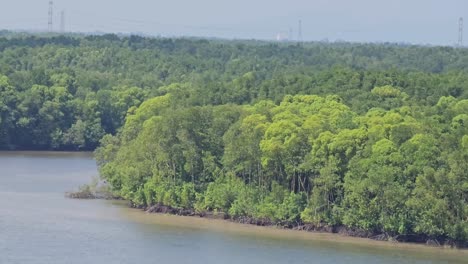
{"x": 285, "y": 41}
{"x": 419, "y": 22}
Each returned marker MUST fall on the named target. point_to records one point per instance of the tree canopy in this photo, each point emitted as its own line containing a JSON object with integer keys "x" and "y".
{"x": 371, "y": 137}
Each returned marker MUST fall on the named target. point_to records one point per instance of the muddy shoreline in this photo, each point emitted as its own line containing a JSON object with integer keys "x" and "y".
{"x": 307, "y": 227}
{"x": 87, "y": 192}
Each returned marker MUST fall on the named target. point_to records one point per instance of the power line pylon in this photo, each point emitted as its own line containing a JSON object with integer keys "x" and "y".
{"x": 51, "y": 16}
{"x": 460, "y": 32}
{"x": 62, "y": 21}
{"x": 299, "y": 32}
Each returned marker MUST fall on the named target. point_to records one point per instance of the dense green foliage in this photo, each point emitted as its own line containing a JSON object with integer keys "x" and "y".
{"x": 66, "y": 92}
{"x": 372, "y": 137}
{"x": 309, "y": 159}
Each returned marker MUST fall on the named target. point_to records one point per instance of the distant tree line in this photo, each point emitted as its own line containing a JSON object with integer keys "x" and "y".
{"x": 66, "y": 92}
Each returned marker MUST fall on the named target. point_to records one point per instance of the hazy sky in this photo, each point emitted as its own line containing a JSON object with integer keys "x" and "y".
{"x": 415, "y": 21}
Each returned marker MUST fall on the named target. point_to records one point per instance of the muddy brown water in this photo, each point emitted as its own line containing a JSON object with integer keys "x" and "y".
{"x": 39, "y": 225}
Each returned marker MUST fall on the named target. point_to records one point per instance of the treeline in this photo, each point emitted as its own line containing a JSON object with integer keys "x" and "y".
{"x": 309, "y": 159}
{"x": 66, "y": 92}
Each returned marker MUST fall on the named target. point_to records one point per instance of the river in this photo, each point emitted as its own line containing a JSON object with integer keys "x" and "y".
{"x": 39, "y": 225}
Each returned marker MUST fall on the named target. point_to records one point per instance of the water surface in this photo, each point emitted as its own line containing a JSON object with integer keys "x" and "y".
{"x": 39, "y": 225}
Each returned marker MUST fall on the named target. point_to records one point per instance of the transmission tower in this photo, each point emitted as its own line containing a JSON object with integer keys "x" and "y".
{"x": 62, "y": 21}
{"x": 299, "y": 32}
{"x": 460, "y": 32}
{"x": 51, "y": 15}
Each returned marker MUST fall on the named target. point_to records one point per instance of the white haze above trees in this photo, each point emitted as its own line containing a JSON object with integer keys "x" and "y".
{"x": 416, "y": 21}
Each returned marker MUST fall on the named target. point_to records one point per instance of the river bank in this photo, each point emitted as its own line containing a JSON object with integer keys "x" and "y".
{"x": 300, "y": 237}
{"x": 341, "y": 231}
{"x": 99, "y": 190}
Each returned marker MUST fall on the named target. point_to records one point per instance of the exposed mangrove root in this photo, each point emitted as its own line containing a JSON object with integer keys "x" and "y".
{"x": 95, "y": 190}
